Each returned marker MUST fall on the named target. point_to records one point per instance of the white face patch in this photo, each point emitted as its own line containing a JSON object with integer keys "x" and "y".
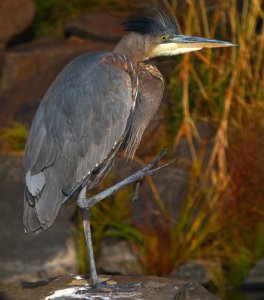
{"x": 170, "y": 49}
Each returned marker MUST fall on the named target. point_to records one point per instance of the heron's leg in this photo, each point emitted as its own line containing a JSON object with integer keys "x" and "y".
{"x": 95, "y": 283}
{"x": 136, "y": 177}
{"x": 88, "y": 238}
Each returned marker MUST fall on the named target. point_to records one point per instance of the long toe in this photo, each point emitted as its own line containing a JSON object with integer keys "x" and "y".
{"x": 104, "y": 287}
{"x": 119, "y": 288}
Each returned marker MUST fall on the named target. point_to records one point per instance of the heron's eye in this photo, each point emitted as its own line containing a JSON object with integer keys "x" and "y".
{"x": 164, "y": 38}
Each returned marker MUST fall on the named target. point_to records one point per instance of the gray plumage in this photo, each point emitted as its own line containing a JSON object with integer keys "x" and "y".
{"x": 74, "y": 133}
{"x": 71, "y": 134}
{"x": 100, "y": 103}
{"x": 161, "y": 24}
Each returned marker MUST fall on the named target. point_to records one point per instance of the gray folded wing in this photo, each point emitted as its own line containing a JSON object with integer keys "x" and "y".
{"x": 83, "y": 115}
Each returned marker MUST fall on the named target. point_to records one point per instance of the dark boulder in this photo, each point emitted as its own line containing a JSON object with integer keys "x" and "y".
{"x": 24, "y": 257}
{"x": 29, "y": 69}
{"x": 98, "y": 26}
{"x": 15, "y": 17}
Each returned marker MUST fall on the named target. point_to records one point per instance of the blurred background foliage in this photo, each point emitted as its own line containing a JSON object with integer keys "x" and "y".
{"x": 51, "y": 14}
{"x": 13, "y": 138}
{"x": 221, "y": 224}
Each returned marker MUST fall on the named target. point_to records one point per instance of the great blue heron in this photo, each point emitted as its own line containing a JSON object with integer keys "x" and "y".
{"x": 101, "y": 102}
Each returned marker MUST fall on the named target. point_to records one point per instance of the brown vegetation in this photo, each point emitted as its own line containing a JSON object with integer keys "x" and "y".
{"x": 221, "y": 224}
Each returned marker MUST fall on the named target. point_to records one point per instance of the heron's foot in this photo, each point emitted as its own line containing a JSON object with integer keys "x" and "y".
{"x": 104, "y": 287}
{"x": 107, "y": 288}
{"x": 150, "y": 169}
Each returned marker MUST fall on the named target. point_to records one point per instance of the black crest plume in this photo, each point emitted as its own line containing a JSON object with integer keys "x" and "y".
{"x": 147, "y": 25}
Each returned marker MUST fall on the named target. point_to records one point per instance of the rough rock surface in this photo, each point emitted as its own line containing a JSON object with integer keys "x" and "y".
{"x": 116, "y": 257}
{"x": 192, "y": 271}
{"x": 24, "y": 257}
{"x": 87, "y": 26}
{"x": 255, "y": 279}
{"x": 15, "y": 17}
{"x": 76, "y": 287}
{"x": 207, "y": 132}
{"x": 31, "y": 59}
{"x": 172, "y": 185}
{"x": 28, "y": 70}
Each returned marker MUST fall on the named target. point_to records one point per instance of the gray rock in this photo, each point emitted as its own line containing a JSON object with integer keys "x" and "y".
{"x": 191, "y": 271}
{"x": 26, "y": 61}
{"x": 24, "y": 257}
{"x": 207, "y": 132}
{"x": 28, "y": 71}
{"x": 255, "y": 279}
{"x": 15, "y": 17}
{"x": 77, "y": 287}
{"x": 98, "y": 26}
{"x": 172, "y": 184}
{"x": 116, "y": 257}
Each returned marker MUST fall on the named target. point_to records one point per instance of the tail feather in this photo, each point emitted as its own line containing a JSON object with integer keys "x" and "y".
{"x": 41, "y": 210}
{"x": 30, "y": 218}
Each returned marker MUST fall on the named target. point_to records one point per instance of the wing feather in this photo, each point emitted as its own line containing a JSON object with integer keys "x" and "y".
{"x": 83, "y": 115}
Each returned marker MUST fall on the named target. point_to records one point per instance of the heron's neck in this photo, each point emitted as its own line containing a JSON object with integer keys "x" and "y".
{"x": 132, "y": 46}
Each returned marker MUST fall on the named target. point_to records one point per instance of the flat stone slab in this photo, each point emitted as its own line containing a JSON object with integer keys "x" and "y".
{"x": 77, "y": 287}
{"x": 15, "y": 17}
{"x": 96, "y": 26}
{"x": 26, "y": 72}
{"x": 255, "y": 279}
{"x": 192, "y": 271}
{"x": 24, "y": 257}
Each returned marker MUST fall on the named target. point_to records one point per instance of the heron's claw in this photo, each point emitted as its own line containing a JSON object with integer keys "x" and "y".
{"x": 104, "y": 287}
{"x": 150, "y": 169}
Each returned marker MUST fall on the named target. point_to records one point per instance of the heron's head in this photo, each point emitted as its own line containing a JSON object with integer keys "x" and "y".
{"x": 160, "y": 37}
